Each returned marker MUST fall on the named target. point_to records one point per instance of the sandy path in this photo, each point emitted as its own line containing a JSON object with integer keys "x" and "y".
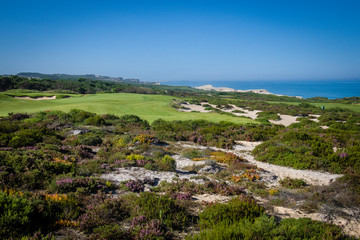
{"x": 37, "y": 98}
{"x": 243, "y": 149}
{"x": 138, "y": 173}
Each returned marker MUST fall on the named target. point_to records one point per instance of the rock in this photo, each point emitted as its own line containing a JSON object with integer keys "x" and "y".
{"x": 210, "y": 169}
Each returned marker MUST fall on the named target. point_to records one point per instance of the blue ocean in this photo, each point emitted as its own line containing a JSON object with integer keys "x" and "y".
{"x": 330, "y": 89}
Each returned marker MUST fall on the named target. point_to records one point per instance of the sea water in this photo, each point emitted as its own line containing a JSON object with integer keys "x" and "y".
{"x": 330, "y": 89}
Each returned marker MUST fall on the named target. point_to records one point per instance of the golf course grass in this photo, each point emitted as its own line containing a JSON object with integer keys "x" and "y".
{"x": 146, "y": 106}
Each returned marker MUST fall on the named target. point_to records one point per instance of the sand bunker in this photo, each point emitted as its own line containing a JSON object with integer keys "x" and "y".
{"x": 285, "y": 120}
{"x": 193, "y": 107}
{"x": 201, "y": 108}
{"x": 36, "y": 98}
{"x": 314, "y": 117}
{"x": 246, "y": 113}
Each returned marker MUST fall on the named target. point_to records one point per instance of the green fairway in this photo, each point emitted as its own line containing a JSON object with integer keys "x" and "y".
{"x": 146, "y": 106}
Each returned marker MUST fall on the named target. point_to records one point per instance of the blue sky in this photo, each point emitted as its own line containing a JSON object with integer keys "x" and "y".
{"x": 183, "y": 40}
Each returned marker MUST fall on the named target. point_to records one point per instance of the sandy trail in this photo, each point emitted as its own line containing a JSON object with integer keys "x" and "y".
{"x": 243, "y": 149}
{"x": 139, "y": 173}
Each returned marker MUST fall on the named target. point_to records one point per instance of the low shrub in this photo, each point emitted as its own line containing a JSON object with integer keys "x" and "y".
{"x": 258, "y": 228}
{"x": 110, "y": 232}
{"x": 143, "y": 228}
{"x": 167, "y": 163}
{"x": 162, "y": 208}
{"x": 292, "y": 183}
{"x": 233, "y": 211}
{"x": 90, "y": 139}
{"x": 86, "y": 184}
{"x": 110, "y": 211}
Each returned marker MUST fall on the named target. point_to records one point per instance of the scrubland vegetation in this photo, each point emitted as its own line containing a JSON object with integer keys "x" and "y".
{"x": 52, "y": 165}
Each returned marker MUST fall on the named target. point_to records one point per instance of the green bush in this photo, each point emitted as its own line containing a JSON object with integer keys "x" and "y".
{"x": 90, "y": 139}
{"x": 265, "y": 227}
{"x": 167, "y": 163}
{"x": 231, "y": 212}
{"x": 22, "y": 214}
{"x": 305, "y": 228}
{"x": 15, "y": 214}
{"x": 160, "y": 207}
{"x": 292, "y": 183}
{"x": 258, "y": 228}
{"x": 95, "y": 120}
{"x": 110, "y": 232}
{"x": 111, "y": 211}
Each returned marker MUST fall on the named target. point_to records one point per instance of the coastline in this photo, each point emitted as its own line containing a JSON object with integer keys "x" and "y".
{"x": 331, "y": 89}
{"x": 210, "y": 87}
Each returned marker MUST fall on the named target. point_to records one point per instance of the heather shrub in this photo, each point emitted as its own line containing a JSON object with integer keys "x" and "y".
{"x": 90, "y": 139}
{"x": 15, "y": 214}
{"x": 230, "y": 212}
{"x": 143, "y": 228}
{"x": 160, "y": 207}
{"x": 292, "y": 183}
{"x": 95, "y": 120}
{"x": 194, "y": 153}
{"x": 24, "y": 213}
{"x": 265, "y": 227}
{"x": 305, "y": 228}
{"x": 226, "y": 157}
{"x": 29, "y": 137}
{"x": 79, "y": 116}
{"x": 127, "y": 122}
{"x": 110, "y": 232}
{"x": 258, "y": 228}
{"x": 135, "y": 186}
{"x": 144, "y": 139}
{"x": 110, "y": 211}
{"x": 72, "y": 184}
{"x": 167, "y": 163}
{"x": 267, "y": 115}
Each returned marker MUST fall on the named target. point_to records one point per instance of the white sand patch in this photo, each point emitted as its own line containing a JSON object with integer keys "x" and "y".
{"x": 182, "y": 162}
{"x": 208, "y": 198}
{"x": 193, "y": 107}
{"x": 246, "y": 146}
{"x": 247, "y": 113}
{"x": 201, "y": 108}
{"x": 315, "y": 117}
{"x": 36, "y": 98}
{"x": 138, "y": 173}
{"x": 324, "y": 127}
{"x": 285, "y": 120}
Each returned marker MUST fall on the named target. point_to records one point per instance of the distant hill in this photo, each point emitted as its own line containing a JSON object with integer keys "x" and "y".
{"x": 75, "y": 77}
